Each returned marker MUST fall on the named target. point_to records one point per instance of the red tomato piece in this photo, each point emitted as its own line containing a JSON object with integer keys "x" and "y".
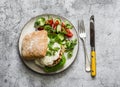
{"x": 56, "y": 23}
{"x": 63, "y": 25}
{"x": 54, "y": 26}
{"x": 69, "y": 33}
{"x": 50, "y": 22}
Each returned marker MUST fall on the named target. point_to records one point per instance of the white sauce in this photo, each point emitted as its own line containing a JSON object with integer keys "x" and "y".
{"x": 48, "y": 60}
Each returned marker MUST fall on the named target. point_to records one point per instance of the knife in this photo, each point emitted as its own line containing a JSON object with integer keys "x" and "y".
{"x": 92, "y": 43}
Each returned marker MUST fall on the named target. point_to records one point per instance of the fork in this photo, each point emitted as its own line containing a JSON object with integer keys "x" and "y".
{"x": 82, "y": 35}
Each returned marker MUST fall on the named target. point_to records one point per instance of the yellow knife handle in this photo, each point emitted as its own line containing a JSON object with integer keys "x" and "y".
{"x": 93, "y": 64}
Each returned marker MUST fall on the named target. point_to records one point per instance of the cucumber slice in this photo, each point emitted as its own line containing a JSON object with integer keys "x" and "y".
{"x": 42, "y": 21}
{"x": 58, "y": 28}
{"x": 39, "y": 22}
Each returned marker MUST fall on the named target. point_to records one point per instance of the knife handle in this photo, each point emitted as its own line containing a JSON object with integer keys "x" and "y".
{"x": 93, "y": 63}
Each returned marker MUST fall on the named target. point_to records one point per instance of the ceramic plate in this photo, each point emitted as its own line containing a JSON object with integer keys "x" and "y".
{"x": 28, "y": 28}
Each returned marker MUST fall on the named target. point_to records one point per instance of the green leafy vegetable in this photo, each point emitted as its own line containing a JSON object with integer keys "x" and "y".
{"x": 69, "y": 55}
{"x": 60, "y": 37}
{"x": 48, "y": 53}
{"x": 49, "y": 29}
{"x": 68, "y": 25}
{"x": 56, "y": 48}
{"x": 51, "y": 50}
{"x": 36, "y": 25}
{"x": 40, "y": 21}
{"x": 69, "y": 46}
{"x": 52, "y": 36}
{"x": 50, "y": 45}
{"x": 63, "y": 31}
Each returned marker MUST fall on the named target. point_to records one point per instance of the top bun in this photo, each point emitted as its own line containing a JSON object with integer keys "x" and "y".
{"x": 34, "y": 45}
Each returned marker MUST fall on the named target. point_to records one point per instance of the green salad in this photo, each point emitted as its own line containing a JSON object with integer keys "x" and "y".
{"x": 59, "y": 31}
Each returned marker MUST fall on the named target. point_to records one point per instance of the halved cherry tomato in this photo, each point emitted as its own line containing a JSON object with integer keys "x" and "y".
{"x": 69, "y": 33}
{"x": 63, "y": 25}
{"x": 50, "y": 22}
{"x": 54, "y": 26}
{"x": 56, "y": 23}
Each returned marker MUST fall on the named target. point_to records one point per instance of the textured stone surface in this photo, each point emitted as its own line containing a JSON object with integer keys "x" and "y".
{"x": 15, "y": 13}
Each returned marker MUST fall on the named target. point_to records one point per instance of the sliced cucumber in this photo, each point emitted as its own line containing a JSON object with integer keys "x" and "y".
{"x": 67, "y": 22}
{"x": 58, "y": 28}
{"x": 42, "y": 21}
{"x": 39, "y": 22}
{"x": 68, "y": 25}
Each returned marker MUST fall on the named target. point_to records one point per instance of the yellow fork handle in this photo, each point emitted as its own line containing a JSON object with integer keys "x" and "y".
{"x": 93, "y": 64}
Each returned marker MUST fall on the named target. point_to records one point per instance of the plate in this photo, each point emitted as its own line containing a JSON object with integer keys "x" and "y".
{"x": 29, "y": 27}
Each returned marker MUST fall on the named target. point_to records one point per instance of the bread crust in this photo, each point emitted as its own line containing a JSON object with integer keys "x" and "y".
{"x": 34, "y": 45}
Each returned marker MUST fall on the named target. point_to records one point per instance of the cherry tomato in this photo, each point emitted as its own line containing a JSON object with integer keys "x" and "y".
{"x": 56, "y": 23}
{"x": 69, "y": 33}
{"x": 50, "y": 22}
{"x": 63, "y": 25}
{"x": 54, "y": 26}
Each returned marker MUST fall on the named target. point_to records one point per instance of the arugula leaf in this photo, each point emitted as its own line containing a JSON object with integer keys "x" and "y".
{"x": 63, "y": 31}
{"x": 49, "y": 29}
{"x": 69, "y": 46}
{"x": 50, "y": 45}
{"x": 48, "y": 53}
{"x": 52, "y": 50}
{"x": 36, "y": 24}
{"x": 69, "y": 55}
{"x": 56, "y": 48}
{"x": 52, "y": 35}
{"x": 60, "y": 37}
{"x": 68, "y": 25}
{"x": 40, "y": 21}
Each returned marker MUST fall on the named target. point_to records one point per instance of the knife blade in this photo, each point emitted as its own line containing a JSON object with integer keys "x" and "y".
{"x": 92, "y": 43}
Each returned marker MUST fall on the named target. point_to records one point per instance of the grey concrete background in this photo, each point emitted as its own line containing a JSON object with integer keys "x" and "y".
{"x": 15, "y": 13}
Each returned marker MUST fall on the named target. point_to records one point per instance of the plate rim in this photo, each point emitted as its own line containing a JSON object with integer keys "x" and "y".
{"x": 51, "y": 73}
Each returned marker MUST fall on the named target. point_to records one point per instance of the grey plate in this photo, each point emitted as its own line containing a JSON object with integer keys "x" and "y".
{"x": 28, "y": 28}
